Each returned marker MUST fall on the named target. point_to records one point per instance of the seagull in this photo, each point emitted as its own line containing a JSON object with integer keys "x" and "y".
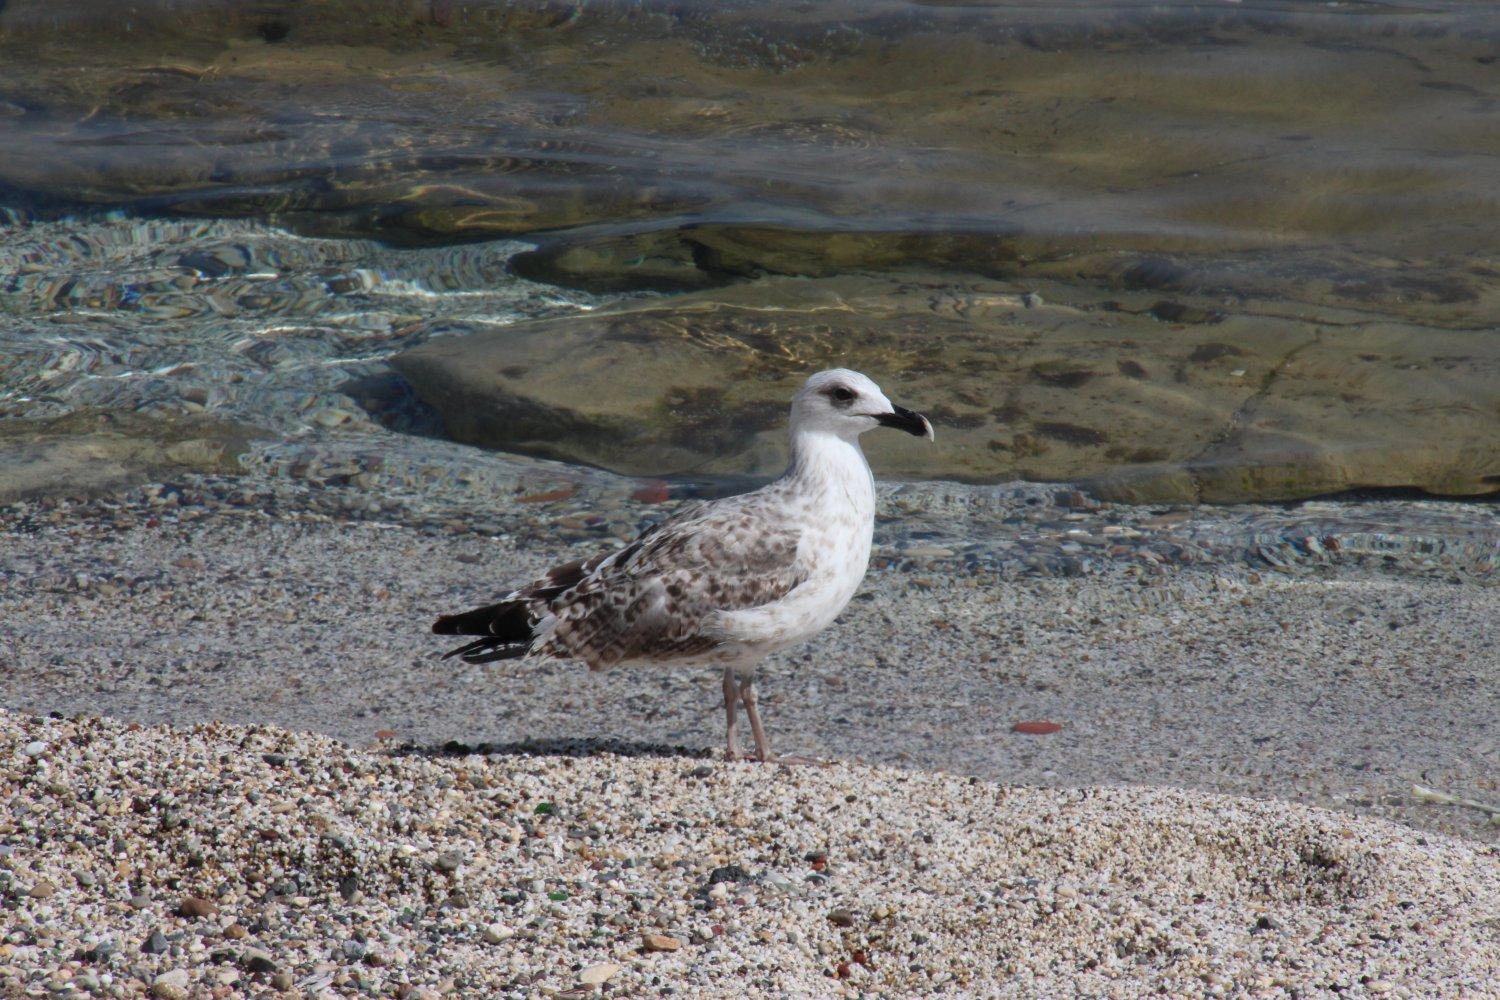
{"x": 724, "y": 583}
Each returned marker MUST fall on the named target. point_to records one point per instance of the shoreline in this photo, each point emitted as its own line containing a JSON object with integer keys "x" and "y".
{"x": 1175, "y": 652}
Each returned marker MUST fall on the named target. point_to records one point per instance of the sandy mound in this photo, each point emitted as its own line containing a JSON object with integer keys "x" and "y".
{"x": 235, "y": 860}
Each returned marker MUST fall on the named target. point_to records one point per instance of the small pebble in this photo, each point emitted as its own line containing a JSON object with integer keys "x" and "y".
{"x": 195, "y": 906}
{"x": 660, "y": 942}
{"x": 596, "y": 974}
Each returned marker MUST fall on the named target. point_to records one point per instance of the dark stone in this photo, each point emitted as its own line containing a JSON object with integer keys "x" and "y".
{"x": 1154, "y": 272}
{"x": 99, "y": 953}
{"x": 1071, "y": 433}
{"x": 728, "y": 873}
{"x": 1213, "y": 352}
{"x": 205, "y": 264}
{"x": 1177, "y": 312}
{"x": 156, "y": 944}
{"x": 273, "y": 31}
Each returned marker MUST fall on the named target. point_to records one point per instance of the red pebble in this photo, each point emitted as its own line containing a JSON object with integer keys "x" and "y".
{"x": 550, "y": 496}
{"x": 653, "y": 492}
{"x": 1036, "y": 728}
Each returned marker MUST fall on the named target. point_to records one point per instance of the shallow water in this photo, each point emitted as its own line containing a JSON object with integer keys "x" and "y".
{"x": 244, "y": 210}
{"x": 1239, "y": 129}
{"x": 233, "y": 317}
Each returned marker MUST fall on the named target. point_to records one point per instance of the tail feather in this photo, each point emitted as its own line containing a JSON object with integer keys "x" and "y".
{"x": 505, "y": 629}
{"x": 508, "y": 620}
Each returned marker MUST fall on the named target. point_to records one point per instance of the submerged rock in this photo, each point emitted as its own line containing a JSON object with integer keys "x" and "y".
{"x": 1238, "y": 406}
{"x": 676, "y": 146}
{"x": 92, "y": 452}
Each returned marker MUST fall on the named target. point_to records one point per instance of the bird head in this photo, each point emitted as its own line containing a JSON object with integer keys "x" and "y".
{"x": 846, "y": 403}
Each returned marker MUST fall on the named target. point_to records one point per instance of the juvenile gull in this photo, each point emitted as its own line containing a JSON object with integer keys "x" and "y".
{"x": 724, "y": 583}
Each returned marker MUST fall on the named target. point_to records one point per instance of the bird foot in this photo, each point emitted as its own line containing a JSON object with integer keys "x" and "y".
{"x": 751, "y": 757}
{"x": 794, "y": 759}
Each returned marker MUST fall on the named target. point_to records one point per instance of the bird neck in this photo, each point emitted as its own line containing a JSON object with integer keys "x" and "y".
{"x": 822, "y": 461}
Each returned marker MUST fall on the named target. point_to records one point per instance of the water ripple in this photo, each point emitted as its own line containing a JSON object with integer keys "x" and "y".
{"x": 239, "y": 317}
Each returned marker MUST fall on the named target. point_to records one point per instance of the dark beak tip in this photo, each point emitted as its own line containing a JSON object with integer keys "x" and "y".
{"x": 909, "y": 421}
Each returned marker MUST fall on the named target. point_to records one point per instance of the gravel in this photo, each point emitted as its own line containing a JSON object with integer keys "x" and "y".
{"x": 921, "y": 884}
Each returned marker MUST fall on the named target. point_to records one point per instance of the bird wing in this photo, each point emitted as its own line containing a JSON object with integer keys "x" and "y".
{"x": 653, "y": 599}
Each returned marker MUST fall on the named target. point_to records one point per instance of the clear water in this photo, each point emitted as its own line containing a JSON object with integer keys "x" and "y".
{"x": 243, "y": 210}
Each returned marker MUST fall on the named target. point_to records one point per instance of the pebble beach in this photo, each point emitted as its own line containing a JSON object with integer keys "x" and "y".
{"x": 1174, "y": 672}
{"x": 1187, "y": 763}
{"x": 222, "y": 861}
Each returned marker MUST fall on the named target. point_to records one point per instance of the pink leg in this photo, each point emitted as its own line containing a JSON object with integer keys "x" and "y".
{"x": 731, "y": 712}
{"x": 762, "y": 745}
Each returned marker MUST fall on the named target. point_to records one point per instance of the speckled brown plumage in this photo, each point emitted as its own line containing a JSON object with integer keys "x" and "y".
{"x": 727, "y": 582}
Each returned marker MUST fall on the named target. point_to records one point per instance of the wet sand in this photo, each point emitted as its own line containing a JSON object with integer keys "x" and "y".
{"x": 1340, "y": 687}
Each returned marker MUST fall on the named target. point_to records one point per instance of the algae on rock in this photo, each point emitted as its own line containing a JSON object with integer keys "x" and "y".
{"x": 1236, "y": 405}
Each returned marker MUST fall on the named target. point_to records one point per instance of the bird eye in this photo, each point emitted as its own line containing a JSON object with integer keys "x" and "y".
{"x": 842, "y": 394}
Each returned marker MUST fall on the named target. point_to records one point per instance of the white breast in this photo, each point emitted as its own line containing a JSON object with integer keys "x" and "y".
{"x": 833, "y": 496}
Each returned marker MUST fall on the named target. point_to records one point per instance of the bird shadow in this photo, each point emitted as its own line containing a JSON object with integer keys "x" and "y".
{"x": 578, "y": 747}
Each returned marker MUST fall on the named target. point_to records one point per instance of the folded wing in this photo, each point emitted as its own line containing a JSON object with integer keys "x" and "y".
{"x": 652, "y": 600}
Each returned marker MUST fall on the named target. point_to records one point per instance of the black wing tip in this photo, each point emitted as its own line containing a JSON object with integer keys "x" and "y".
{"x": 487, "y": 651}
{"x": 507, "y": 621}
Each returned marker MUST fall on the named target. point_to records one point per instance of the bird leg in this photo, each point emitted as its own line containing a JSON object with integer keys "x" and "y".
{"x": 731, "y": 711}
{"x": 762, "y": 745}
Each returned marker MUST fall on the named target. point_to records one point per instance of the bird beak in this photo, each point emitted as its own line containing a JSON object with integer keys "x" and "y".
{"x": 906, "y": 420}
